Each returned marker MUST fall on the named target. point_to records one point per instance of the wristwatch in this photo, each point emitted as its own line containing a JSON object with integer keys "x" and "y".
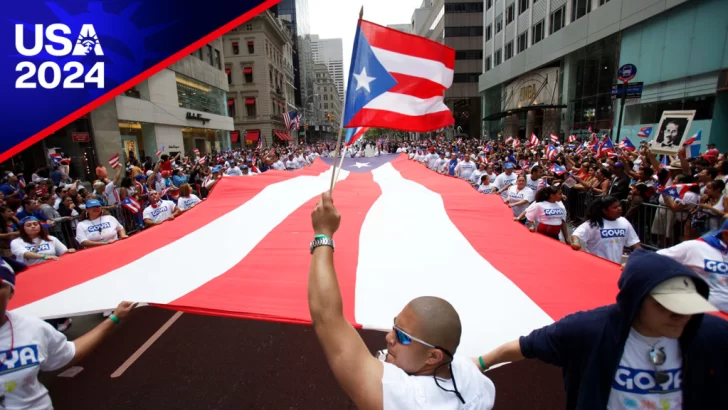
{"x": 321, "y": 241}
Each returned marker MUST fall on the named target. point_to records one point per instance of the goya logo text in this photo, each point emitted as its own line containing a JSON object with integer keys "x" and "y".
{"x": 19, "y": 358}
{"x": 58, "y": 41}
{"x": 716, "y": 266}
{"x": 613, "y": 233}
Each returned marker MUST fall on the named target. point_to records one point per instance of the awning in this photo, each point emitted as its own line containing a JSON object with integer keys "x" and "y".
{"x": 499, "y": 115}
{"x": 252, "y": 135}
{"x": 250, "y": 101}
{"x": 235, "y": 43}
{"x": 248, "y": 70}
{"x": 250, "y": 44}
{"x": 231, "y": 102}
{"x": 283, "y": 136}
{"x": 234, "y": 136}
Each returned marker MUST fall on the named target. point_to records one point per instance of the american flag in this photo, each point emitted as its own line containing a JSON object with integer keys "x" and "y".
{"x": 114, "y": 161}
{"x": 260, "y": 141}
{"x": 131, "y": 204}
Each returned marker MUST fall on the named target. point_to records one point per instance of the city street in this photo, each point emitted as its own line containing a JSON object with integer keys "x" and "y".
{"x": 205, "y": 362}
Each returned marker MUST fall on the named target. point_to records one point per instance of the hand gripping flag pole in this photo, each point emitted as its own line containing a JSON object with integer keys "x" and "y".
{"x": 334, "y": 174}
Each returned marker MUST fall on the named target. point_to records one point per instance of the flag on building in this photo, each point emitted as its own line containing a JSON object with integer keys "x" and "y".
{"x": 131, "y": 204}
{"x": 114, "y": 161}
{"x": 692, "y": 146}
{"x": 645, "y": 132}
{"x": 353, "y": 134}
{"x": 397, "y": 81}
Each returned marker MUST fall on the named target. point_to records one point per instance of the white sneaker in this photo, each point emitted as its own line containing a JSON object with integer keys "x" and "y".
{"x": 65, "y": 325}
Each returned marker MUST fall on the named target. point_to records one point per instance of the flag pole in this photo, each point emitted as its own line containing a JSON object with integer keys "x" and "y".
{"x": 334, "y": 174}
{"x": 341, "y": 162}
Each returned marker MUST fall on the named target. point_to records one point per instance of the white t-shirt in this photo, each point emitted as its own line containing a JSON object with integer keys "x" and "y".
{"x": 402, "y": 391}
{"x": 514, "y": 195}
{"x": 634, "y": 385}
{"x": 186, "y": 203}
{"x": 709, "y": 263}
{"x": 51, "y": 247}
{"x": 465, "y": 168}
{"x": 112, "y": 193}
{"x": 432, "y": 160}
{"x": 234, "y": 171}
{"x": 104, "y": 228}
{"x": 531, "y": 183}
{"x": 36, "y": 346}
{"x": 278, "y": 165}
{"x": 607, "y": 242}
{"x": 486, "y": 189}
{"x": 547, "y": 213}
{"x": 291, "y": 165}
{"x": 161, "y": 212}
{"x": 503, "y": 180}
{"x": 440, "y": 164}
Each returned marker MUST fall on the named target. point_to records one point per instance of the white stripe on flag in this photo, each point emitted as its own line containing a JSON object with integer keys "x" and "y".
{"x": 431, "y": 70}
{"x": 407, "y": 104}
{"x": 165, "y": 274}
{"x": 457, "y": 272}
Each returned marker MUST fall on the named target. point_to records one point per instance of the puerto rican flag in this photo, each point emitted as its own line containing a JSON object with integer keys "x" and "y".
{"x": 692, "y": 146}
{"x": 353, "y": 134}
{"x": 397, "y": 81}
{"x": 114, "y": 161}
{"x": 677, "y": 191}
{"x": 56, "y": 158}
{"x": 645, "y": 132}
{"x": 516, "y": 143}
{"x": 260, "y": 141}
{"x": 557, "y": 169}
{"x": 626, "y": 145}
{"x": 160, "y": 152}
{"x": 508, "y": 140}
{"x": 172, "y": 192}
{"x": 554, "y": 138}
{"x": 239, "y": 278}
{"x": 572, "y": 139}
{"x": 552, "y": 152}
{"x": 605, "y": 147}
{"x": 131, "y": 204}
{"x": 196, "y": 152}
{"x": 533, "y": 141}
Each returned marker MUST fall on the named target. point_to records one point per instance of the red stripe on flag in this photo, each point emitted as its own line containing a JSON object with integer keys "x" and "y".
{"x": 388, "y": 119}
{"x": 416, "y": 86}
{"x": 247, "y": 290}
{"x": 111, "y": 94}
{"x": 409, "y": 44}
{"x": 43, "y": 280}
{"x": 558, "y": 288}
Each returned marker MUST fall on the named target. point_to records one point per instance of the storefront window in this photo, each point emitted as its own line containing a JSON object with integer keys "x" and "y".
{"x": 595, "y": 73}
{"x": 205, "y": 140}
{"x": 199, "y": 96}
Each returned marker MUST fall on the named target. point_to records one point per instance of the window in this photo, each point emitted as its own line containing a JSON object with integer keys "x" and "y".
{"x": 522, "y": 6}
{"x": 248, "y": 27}
{"x": 469, "y": 54}
{"x": 497, "y": 58}
{"x": 487, "y": 64}
{"x": 231, "y": 107}
{"x": 326, "y": 106}
{"x": 236, "y": 49}
{"x": 510, "y": 13}
{"x": 523, "y": 41}
{"x": 250, "y": 110}
{"x": 196, "y": 95}
{"x": 251, "y": 47}
{"x": 488, "y": 32}
{"x": 326, "y": 96}
{"x": 498, "y": 23}
{"x": 198, "y": 53}
{"x": 466, "y": 31}
{"x": 464, "y": 7}
{"x": 579, "y": 8}
{"x": 509, "y": 50}
{"x": 218, "y": 61}
{"x": 538, "y": 31}
{"x": 488, "y": 4}
{"x": 465, "y": 77}
{"x": 229, "y": 74}
{"x": 209, "y": 54}
{"x": 248, "y": 74}
{"x": 558, "y": 20}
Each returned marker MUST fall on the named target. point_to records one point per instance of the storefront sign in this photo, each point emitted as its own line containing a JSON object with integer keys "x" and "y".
{"x": 535, "y": 88}
{"x": 173, "y": 147}
{"x": 197, "y": 117}
{"x": 80, "y": 136}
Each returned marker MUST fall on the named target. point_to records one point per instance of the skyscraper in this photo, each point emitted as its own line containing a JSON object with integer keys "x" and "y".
{"x": 295, "y": 14}
{"x": 330, "y": 51}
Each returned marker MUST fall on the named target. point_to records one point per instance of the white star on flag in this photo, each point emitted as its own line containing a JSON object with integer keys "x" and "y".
{"x": 361, "y": 164}
{"x": 362, "y": 80}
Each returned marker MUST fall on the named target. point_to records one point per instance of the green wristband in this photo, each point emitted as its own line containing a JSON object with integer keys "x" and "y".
{"x": 482, "y": 363}
{"x": 321, "y": 237}
{"x": 114, "y": 318}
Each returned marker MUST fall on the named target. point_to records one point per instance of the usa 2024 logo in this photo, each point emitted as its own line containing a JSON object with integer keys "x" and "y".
{"x": 55, "y": 41}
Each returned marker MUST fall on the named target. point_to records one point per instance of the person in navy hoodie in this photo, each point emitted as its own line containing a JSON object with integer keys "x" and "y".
{"x": 654, "y": 348}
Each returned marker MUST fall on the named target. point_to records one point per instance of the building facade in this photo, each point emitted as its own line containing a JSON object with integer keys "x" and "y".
{"x": 459, "y": 25}
{"x": 405, "y": 28}
{"x": 259, "y": 67}
{"x": 330, "y": 51}
{"x": 549, "y": 66}
{"x": 328, "y": 103}
{"x": 294, "y": 14}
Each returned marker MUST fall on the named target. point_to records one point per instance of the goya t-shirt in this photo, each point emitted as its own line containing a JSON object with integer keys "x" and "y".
{"x": 186, "y": 203}
{"x": 103, "y": 228}
{"x": 50, "y": 247}
{"x": 608, "y": 241}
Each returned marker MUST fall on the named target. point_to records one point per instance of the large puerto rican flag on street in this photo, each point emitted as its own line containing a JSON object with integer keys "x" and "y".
{"x": 397, "y": 81}
{"x": 244, "y": 252}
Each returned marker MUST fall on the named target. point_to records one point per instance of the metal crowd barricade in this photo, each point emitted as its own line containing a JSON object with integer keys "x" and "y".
{"x": 658, "y": 227}
{"x": 65, "y": 231}
{"x": 577, "y": 204}
{"x": 130, "y": 221}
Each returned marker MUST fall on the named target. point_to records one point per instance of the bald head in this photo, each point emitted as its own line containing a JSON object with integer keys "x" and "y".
{"x": 438, "y": 322}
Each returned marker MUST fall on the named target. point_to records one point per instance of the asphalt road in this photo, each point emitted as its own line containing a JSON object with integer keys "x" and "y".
{"x": 204, "y": 362}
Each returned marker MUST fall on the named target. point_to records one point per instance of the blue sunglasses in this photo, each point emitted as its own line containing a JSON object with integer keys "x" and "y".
{"x": 405, "y": 338}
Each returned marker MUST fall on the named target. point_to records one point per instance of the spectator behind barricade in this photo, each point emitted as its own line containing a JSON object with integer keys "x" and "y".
{"x": 549, "y": 213}
{"x": 672, "y": 219}
{"x": 187, "y": 200}
{"x": 51, "y": 214}
{"x": 111, "y": 190}
{"x": 98, "y": 229}
{"x": 605, "y": 233}
{"x": 35, "y": 245}
{"x": 31, "y": 208}
{"x": 638, "y": 196}
{"x": 159, "y": 210}
{"x": 12, "y": 191}
{"x": 654, "y": 349}
{"x": 519, "y": 197}
{"x": 418, "y": 370}
{"x": 165, "y": 163}
{"x": 179, "y": 178}
{"x": 710, "y": 212}
{"x": 620, "y": 182}
{"x": 8, "y": 230}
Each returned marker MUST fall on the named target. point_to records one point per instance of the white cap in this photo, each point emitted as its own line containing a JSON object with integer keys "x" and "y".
{"x": 680, "y": 296}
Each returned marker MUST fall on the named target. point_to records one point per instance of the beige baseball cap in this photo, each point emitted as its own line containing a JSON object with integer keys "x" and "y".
{"x": 679, "y": 295}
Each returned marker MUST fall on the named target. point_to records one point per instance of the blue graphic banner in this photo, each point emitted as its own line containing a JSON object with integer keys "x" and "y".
{"x": 60, "y": 59}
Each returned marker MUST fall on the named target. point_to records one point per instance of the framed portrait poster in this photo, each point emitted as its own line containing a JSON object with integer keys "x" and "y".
{"x": 672, "y": 132}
